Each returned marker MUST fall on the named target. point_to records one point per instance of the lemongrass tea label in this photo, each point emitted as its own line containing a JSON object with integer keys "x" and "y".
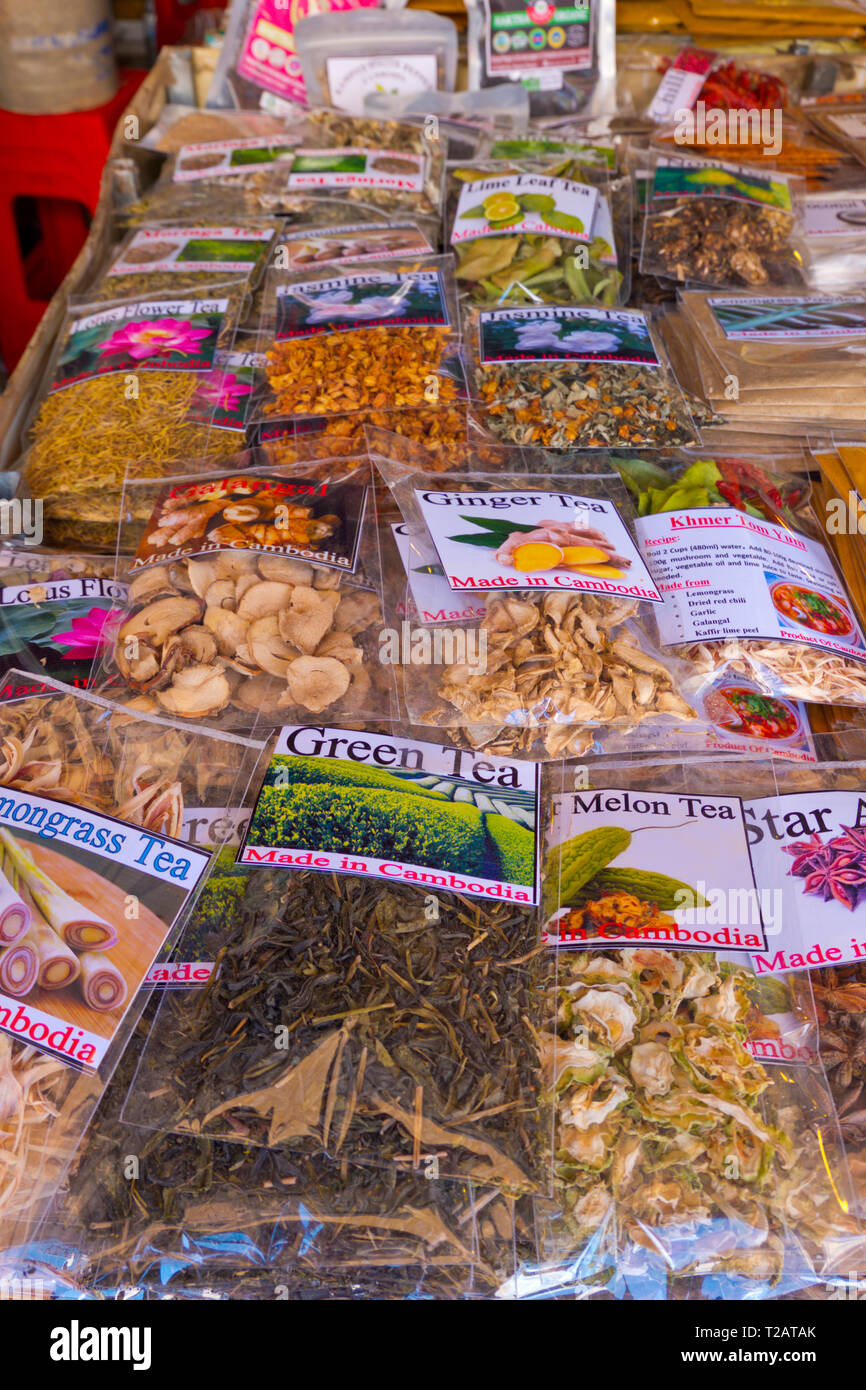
{"x": 810, "y": 848}
{"x": 726, "y": 575}
{"x": 779, "y": 318}
{"x": 225, "y": 158}
{"x": 430, "y": 591}
{"x": 534, "y": 540}
{"x": 145, "y": 335}
{"x": 349, "y": 302}
{"x": 56, "y": 627}
{"x": 550, "y": 333}
{"x": 312, "y": 246}
{"x": 167, "y": 250}
{"x": 350, "y": 167}
{"x": 525, "y": 203}
{"x": 92, "y": 899}
{"x": 302, "y": 519}
{"x": 440, "y": 819}
{"x": 667, "y": 869}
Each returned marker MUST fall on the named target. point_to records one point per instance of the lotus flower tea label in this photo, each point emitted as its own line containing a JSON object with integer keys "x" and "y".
{"x": 145, "y": 335}
{"x": 350, "y": 167}
{"x": 529, "y": 203}
{"x": 554, "y": 334}
{"x": 810, "y": 848}
{"x": 526, "y": 540}
{"x": 436, "y": 818}
{"x": 658, "y": 869}
{"x": 349, "y": 302}
{"x": 56, "y": 626}
{"x": 224, "y": 395}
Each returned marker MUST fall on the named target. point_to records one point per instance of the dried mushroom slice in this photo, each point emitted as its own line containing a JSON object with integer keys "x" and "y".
{"x": 254, "y": 632}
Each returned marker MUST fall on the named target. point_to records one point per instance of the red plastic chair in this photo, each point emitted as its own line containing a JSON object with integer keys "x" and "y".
{"x": 50, "y": 168}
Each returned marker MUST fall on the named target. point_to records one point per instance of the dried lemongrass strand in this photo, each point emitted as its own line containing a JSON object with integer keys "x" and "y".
{"x": 804, "y": 673}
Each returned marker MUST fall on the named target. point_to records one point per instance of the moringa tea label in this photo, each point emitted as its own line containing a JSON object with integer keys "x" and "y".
{"x": 525, "y": 203}
{"x": 144, "y": 335}
{"x": 810, "y": 848}
{"x": 186, "y": 250}
{"x": 628, "y": 868}
{"x": 534, "y": 540}
{"x": 349, "y": 302}
{"x": 727, "y": 575}
{"x": 350, "y": 167}
{"x": 782, "y": 318}
{"x": 103, "y": 895}
{"x": 299, "y": 518}
{"x": 553, "y": 334}
{"x": 221, "y": 158}
{"x": 398, "y": 810}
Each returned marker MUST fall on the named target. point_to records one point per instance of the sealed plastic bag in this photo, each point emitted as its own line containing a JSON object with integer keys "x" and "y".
{"x": 181, "y": 259}
{"x": 573, "y": 378}
{"x": 94, "y": 854}
{"x": 377, "y": 338}
{"x": 253, "y": 593}
{"x": 344, "y": 58}
{"x": 129, "y": 381}
{"x": 721, "y": 224}
{"x": 465, "y": 118}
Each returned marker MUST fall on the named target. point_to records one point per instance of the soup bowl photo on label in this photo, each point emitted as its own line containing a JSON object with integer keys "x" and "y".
{"x": 743, "y": 712}
{"x": 811, "y": 609}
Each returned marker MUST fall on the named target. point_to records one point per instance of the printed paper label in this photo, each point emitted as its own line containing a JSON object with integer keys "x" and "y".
{"x": 673, "y": 870}
{"x": 790, "y": 316}
{"x": 810, "y": 848}
{"x": 553, "y": 334}
{"x": 400, "y": 811}
{"x": 268, "y": 56}
{"x": 313, "y": 246}
{"x": 223, "y": 396}
{"x": 404, "y": 74}
{"x": 222, "y": 158}
{"x": 56, "y": 626}
{"x": 839, "y": 216}
{"x": 529, "y": 203}
{"x": 724, "y": 574}
{"x": 188, "y": 250}
{"x": 77, "y": 872}
{"x": 674, "y": 179}
{"x": 175, "y": 974}
{"x": 146, "y": 335}
{"x": 430, "y": 591}
{"x": 300, "y": 518}
{"x": 852, "y": 123}
{"x": 534, "y": 41}
{"x": 349, "y": 302}
{"x": 544, "y": 540}
{"x": 741, "y": 718}
{"x": 350, "y": 167}
{"x": 681, "y": 84}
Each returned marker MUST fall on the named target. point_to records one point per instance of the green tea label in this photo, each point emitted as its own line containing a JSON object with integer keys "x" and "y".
{"x": 647, "y": 868}
{"x": 553, "y": 334}
{"x": 778, "y": 317}
{"x": 536, "y": 43}
{"x": 675, "y": 179}
{"x": 398, "y": 810}
{"x": 528, "y": 203}
{"x": 221, "y": 158}
{"x": 186, "y": 250}
{"x": 349, "y": 302}
{"x": 350, "y": 167}
{"x": 145, "y": 335}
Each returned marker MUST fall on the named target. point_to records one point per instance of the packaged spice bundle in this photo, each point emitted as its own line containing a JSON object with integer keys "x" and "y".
{"x": 465, "y": 118}
{"x": 93, "y": 808}
{"x": 573, "y": 378}
{"x": 129, "y": 381}
{"x": 378, "y": 338}
{"x": 722, "y": 225}
{"x": 54, "y": 611}
{"x": 751, "y": 590}
{"x": 162, "y": 257}
{"x": 344, "y": 58}
{"x": 551, "y": 665}
{"x": 540, "y": 232}
{"x": 310, "y": 247}
{"x": 254, "y": 593}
